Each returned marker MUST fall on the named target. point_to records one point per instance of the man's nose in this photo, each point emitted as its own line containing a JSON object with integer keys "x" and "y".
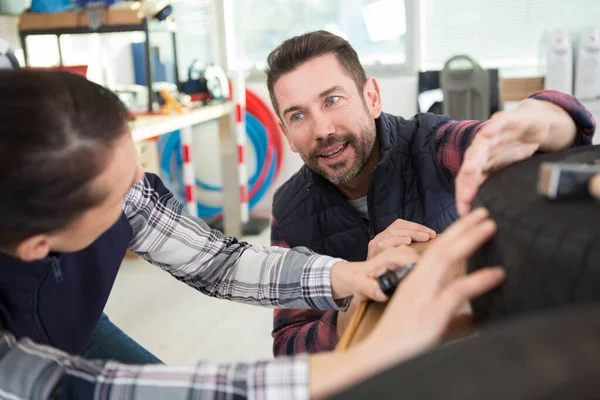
{"x": 323, "y": 126}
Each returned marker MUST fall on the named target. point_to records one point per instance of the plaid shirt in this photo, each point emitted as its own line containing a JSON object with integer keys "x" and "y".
{"x": 167, "y": 236}
{"x": 32, "y": 371}
{"x": 299, "y": 331}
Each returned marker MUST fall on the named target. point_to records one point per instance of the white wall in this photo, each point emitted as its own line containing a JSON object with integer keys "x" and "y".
{"x": 9, "y": 29}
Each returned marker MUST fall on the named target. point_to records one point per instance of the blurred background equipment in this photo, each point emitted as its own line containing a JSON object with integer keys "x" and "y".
{"x": 559, "y": 181}
{"x": 466, "y": 89}
{"x": 7, "y": 56}
{"x": 587, "y": 84}
{"x": 430, "y": 97}
{"x": 559, "y": 69}
{"x": 156, "y": 9}
{"x": 206, "y": 82}
{"x": 51, "y": 6}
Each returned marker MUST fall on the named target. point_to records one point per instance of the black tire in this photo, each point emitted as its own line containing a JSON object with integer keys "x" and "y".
{"x": 551, "y": 252}
{"x": 550, "y": 249}
{"x": 547, "y": 357}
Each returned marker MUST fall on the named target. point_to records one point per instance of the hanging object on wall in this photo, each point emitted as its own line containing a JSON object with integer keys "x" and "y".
{"x": 559, "y": 69}
{"x": 587, "y": 83}
{"x": 466, "y": 89}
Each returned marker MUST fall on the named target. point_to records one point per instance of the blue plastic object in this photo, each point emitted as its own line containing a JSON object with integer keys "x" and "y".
{"x": 83, "y": 3}
{"x": 160, "y": 72}
{"x": 51, "y": 6}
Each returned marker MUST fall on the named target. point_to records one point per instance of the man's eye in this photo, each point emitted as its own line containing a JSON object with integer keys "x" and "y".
{"x": 297, "y": 117}
{"x": 332, "y": 100}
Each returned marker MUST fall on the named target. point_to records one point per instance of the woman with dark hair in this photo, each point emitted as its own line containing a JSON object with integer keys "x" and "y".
{"x": 74, "y": 200}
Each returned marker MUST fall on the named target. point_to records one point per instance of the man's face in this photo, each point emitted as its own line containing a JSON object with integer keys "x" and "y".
{"x": 326, "y": 119}
{"x": 122, "y": 171}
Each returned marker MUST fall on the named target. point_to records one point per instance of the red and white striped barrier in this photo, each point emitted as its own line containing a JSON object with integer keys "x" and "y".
{"x": 239, "y": 99}
{"x": 189, "y": 174}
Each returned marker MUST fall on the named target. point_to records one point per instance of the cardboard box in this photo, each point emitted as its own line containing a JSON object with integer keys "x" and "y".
{"x": 517, "y": 89}
{"x": 29, "y": 21}
{"x": 113, "y": 17}
{"x": 77, "y": 19}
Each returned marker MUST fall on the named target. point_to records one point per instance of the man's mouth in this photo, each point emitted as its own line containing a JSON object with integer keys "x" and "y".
{"x": 333, "y": 151}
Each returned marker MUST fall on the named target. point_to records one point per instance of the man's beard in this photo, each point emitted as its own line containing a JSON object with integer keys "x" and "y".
{"x": 342, "y": 173}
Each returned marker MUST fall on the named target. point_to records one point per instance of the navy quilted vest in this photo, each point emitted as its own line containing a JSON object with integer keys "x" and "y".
{"x": 407, "y": 183}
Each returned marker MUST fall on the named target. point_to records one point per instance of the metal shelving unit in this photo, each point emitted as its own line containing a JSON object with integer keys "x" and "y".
{"x": 144, "y": 26}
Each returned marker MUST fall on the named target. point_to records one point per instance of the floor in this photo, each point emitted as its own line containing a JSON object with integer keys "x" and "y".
{"x": 180, "y": 325}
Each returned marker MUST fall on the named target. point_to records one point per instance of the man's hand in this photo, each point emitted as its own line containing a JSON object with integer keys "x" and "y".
{"x": 400, "y": 233}
{"x": 508, "y": 137}
{"x": 426, "y": 302}
{"x": 420, "y": 311}
{"x": 594, "y": 186}
{"x": 359, "y": 278}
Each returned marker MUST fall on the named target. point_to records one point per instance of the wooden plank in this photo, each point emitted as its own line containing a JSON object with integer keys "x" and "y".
{"x": 77, "y": 19}
{"x": 68, "y": 19}
{"x": 150, "y": 126}
{"x": 369, "y": 312}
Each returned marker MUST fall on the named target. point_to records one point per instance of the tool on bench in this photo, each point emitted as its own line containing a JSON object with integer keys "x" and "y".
{"x": 560, "y": 180}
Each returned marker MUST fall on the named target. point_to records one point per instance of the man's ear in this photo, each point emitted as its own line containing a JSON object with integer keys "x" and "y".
{"x": 372, "y": 97}
{"x": 287, "y": 136}
{"x": 34, "y": 248}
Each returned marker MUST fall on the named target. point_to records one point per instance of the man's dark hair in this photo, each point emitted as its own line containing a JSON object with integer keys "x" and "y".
{"x": 56, "y": 130}
{"x": 296, "y": 51}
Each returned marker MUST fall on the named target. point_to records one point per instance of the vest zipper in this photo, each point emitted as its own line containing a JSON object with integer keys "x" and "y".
{"x": 370, "y": 206}
{"x": 57, "y": 271}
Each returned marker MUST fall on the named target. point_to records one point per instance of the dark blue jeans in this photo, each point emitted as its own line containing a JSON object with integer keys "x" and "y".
{"x": 108, "y": 342}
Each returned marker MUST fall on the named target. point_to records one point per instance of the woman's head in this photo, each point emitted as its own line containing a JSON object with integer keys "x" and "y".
{"x": 66, "y": 161}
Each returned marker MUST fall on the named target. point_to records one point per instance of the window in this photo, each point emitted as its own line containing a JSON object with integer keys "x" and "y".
{"x": 194, "y": 32}
{"x": 379, "y": 30}
{"x": 508, "y": 34}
